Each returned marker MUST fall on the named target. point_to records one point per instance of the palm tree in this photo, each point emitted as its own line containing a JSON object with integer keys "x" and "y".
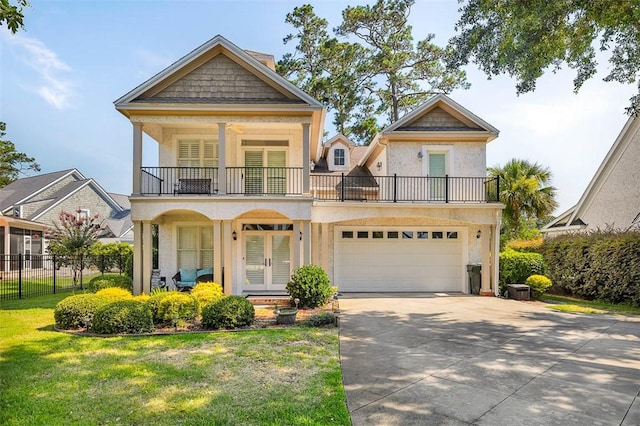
{"x": 525, "y": 191}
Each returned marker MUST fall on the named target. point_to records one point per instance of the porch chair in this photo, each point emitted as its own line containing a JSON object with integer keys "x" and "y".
{"x": 187, "y": 278}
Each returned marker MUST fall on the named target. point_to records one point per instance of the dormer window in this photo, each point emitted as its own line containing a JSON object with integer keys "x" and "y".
{"x": 338, "y": 157}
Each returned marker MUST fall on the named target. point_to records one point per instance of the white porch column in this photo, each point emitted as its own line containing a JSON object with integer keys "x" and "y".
{"x": 137, "y": 157}
{"x": 306, "y": 242}
{"x": 217, "y": 252}
{"x": 137, "y": 257}
{"x": 147, "y": 256}
{"x": 228, "y": 246}
{"x": 315, "y": 244}
{"x": 485, "y": 239}
{"x": 222, "y": 158}
{"x": 306, "y": 140}
{"x": 295, "y": 264}
{"x": 324, "y": 262}
{"x": 495, "y": 253}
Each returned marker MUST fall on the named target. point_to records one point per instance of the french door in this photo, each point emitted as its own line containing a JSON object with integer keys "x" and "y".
{"x": 265, "y": 171}
{"x": 267, "y": 260}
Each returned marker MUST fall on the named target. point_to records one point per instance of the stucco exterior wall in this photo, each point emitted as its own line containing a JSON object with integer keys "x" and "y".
{"x": 467, "y": 159}
{"x": 617, "y": 201}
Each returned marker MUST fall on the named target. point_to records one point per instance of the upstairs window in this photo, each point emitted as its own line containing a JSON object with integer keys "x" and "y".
{"x": 338, "y": 157}
{"x": 197, "y": 153}
{"x": 83, "y": 214}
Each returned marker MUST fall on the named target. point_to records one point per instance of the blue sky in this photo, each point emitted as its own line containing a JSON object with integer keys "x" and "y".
{"x": 60, "y": 76}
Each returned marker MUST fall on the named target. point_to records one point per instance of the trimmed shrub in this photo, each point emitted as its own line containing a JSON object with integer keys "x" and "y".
{"x": 207, "y": 292}
{"x": 176, "y": 308}
{"x": 110, "y": 280}
{"x": 525, "y": 245}
{"x": 154, "y": 302}
{"x": 77, "y": 311}
{"x": 228, "y": 312}
{"x": 123, "y": 316}
{"x": 602, "y": 265}
{"x": 310, "y": 284}
{"x": 322, "y": 319}
{"x": 142, "y": 298}
{"x": 538, "y": 284}
{"x": 516, "y": 267}
{"x": 114, "y": 293}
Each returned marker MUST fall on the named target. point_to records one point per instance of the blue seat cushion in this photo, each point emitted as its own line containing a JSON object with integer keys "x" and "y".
{"x": 188, "y": 275}
{"x": 204, "y": 271}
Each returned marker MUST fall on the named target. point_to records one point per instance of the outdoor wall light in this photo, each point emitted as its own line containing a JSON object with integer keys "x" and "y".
{"x": 478, "y": 234}
{"x": 234, "y": 235}
{"x": 379, "y": 165}
{"x": 420, "y": 155}
{"x": 300, "y": 235}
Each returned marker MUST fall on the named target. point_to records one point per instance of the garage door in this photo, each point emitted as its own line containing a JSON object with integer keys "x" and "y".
{"x": 398, "y": 259}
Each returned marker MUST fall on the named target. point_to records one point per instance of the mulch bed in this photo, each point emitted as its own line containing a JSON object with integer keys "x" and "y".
{"x": 265, "y": 318}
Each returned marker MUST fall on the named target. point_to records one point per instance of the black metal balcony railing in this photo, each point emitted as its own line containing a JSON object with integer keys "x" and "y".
{"x": 324, "y": 187}
{"x": 204, "y": 180}
{"x": 396, "y": 188}
{"x": 264, "y": 180}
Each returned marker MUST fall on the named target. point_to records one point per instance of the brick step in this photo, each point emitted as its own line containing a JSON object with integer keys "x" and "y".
{"x": 282, "y": 301}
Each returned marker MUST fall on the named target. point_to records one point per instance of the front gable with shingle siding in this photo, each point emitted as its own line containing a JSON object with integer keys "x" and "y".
{"x": 216, "y": 73}
{"x": 220, "y": 80}
{"x": 437, "y": 119}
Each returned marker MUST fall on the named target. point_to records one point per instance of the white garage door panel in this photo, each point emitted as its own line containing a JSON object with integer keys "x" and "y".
{"x": 367, "y": 264}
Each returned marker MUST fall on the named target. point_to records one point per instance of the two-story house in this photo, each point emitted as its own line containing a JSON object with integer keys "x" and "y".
{"x": 244, "y": 185}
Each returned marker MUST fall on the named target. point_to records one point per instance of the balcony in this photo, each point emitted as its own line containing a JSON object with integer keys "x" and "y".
{"x": 395, "y": 189}
{"x": 206, "y": 181}
{"x": 288, "y": 181}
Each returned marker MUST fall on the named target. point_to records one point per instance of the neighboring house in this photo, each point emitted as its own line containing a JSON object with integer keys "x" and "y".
{"x": 41, "y": 198}
{"x": 20, "y": 236}
{"x": 245, "y": 185}
{"x": 612, "y": 199}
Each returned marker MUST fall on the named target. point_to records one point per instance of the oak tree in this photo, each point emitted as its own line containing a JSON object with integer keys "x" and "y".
{"x": 527, "y": 39}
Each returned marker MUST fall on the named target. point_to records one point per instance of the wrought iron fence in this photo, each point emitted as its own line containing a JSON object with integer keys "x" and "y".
{"x": 23, "y": 276}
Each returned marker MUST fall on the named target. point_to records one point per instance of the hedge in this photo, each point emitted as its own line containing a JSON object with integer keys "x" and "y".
{"x": 516, "y": 267}
{"x": 602, "y": 265}
{"x": 110, "y": 280}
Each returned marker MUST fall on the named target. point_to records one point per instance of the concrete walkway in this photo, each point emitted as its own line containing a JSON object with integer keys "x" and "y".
{"x": 415, "y": 359}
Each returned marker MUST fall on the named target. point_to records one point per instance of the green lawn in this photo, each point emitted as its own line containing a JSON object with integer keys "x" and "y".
{"x": 266, "y": 377}
{"x": 571, "y": 304}
{"x": 37, "y": 285}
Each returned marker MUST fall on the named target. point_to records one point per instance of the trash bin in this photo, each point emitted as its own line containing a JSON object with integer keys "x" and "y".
{"x": 475, "y": 278}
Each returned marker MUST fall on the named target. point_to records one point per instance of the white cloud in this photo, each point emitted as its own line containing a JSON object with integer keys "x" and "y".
{"x": 51, "y": 86}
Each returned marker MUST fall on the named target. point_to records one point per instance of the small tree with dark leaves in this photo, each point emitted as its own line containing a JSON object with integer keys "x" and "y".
{"x": 71, "y": 239}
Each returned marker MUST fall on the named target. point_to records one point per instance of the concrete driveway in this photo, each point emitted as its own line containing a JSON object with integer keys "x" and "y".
{"x": 416, "y": 359}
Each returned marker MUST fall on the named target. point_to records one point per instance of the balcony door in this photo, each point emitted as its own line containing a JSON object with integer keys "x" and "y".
{"x": 437, "y": 173}
{"x": 265, "y": 171}
{"x": 267, "y": 259}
